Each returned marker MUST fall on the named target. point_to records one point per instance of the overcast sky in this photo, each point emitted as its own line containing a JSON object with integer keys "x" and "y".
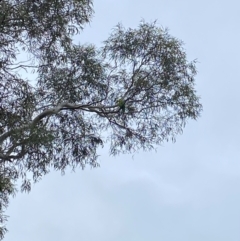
{"x": 186, "y": 191}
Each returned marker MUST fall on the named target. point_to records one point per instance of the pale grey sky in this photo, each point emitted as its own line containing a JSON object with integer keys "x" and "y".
{"x": 186, "y": 191}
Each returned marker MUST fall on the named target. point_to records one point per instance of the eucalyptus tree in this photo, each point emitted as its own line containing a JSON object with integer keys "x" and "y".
{"x": 134, "y": 92}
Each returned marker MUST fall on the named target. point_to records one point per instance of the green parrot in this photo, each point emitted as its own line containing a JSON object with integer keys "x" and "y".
{"x": 121, "y": 104}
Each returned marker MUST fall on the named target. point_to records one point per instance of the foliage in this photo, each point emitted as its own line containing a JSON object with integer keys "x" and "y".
{"x": 138, "y": 89}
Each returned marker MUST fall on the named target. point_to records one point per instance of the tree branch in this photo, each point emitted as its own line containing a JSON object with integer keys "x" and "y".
{"x": 63, "y": 106}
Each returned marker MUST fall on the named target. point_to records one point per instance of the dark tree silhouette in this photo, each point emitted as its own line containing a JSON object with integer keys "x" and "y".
{"x": 138, "y": 89}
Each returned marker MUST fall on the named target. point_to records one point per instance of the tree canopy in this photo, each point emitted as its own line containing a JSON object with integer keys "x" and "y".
{"x": 134, "y": 92}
